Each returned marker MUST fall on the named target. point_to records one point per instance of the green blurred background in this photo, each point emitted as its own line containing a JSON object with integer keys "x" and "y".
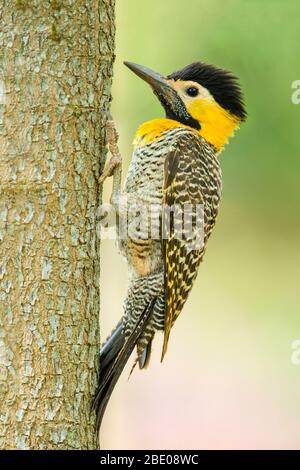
{"x": 228, "y": 381}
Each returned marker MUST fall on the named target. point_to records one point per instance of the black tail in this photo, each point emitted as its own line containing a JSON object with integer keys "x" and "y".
{"x": 113, "y": 357}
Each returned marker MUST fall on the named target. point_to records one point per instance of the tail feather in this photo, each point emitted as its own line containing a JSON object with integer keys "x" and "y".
{"x": 113, "y": 358}
{"x": 111, "y": 348}
{"x": 144, "y": 359}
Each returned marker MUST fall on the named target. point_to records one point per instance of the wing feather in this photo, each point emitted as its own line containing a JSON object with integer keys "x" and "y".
{"x": 189, "y": 188}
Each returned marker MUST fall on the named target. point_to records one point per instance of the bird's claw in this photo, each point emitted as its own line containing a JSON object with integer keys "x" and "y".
{"x": 115, "y": 160}
{"x": 112, "y": 135}
{"x": 110, "y": 168}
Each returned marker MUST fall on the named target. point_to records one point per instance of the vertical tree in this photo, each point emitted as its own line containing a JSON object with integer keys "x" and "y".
{"x": 55, "y": 74}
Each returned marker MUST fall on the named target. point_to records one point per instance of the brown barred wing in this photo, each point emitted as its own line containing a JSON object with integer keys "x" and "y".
{"x": 188, "y": 215}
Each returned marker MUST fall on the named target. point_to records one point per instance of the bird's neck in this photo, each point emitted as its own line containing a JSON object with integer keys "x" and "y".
{"x": 152, "y": 130}
{"x": 216, "y": 129}
{"x": 217, "y": 124}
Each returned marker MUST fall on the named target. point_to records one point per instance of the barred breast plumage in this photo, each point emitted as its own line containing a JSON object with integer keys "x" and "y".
{"x": 178, "y": 167}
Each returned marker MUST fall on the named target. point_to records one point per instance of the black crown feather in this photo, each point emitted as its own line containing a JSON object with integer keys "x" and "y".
{"x": 221, "y": 84}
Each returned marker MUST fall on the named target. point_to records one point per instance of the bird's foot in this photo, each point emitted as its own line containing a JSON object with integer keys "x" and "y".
{"x": 115, "y": 160}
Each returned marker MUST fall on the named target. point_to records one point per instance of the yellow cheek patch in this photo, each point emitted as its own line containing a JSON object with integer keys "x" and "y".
{"x": 217, "y": 124}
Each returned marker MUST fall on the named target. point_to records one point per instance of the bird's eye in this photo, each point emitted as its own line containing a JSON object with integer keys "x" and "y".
{"x": 192, "y": 91}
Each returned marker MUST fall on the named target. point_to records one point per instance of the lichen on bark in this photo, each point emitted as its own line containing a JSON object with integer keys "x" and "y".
{"x": 55, "y": 75}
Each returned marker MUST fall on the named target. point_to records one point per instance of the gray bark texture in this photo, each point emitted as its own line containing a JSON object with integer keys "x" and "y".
{"x": 56, "y": 62}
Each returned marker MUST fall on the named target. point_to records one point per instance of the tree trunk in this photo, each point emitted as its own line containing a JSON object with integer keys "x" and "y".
{"x": 55, "y": 75}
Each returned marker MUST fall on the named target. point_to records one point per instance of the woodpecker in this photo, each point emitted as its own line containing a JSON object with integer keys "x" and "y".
{"x": 175, "y": 163}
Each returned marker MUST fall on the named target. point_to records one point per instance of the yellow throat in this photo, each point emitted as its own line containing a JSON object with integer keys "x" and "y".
{"x": 217, "y": 124}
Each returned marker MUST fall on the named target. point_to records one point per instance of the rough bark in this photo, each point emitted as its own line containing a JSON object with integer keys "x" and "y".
{"x": 55, "y": 75}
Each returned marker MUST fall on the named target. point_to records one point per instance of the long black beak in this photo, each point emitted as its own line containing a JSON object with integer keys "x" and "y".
{"x": 167, "y": 95}
{"x": 154, "y": 79}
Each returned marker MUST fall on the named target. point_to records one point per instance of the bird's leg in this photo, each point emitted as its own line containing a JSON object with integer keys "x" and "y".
{"x": 114, "y": 166}
{"x": 118, "y": 202}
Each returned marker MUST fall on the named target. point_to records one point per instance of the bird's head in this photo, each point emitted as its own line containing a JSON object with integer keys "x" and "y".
{"x": 200, "y": 96}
